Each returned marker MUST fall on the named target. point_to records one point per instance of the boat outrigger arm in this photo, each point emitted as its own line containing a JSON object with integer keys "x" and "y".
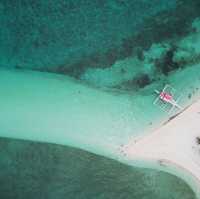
{"x": 166, "y": 97}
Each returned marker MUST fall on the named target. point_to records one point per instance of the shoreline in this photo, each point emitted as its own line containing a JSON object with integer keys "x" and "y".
{"x": 171, "y": 144}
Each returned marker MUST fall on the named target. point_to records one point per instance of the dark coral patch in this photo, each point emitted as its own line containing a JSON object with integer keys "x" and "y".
{"x": 166, "y": 64}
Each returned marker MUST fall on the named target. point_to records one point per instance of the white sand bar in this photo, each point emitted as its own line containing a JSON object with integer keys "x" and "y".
{"x": 173, "y": 143}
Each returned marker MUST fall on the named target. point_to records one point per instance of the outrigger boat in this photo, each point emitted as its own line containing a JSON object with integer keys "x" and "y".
{"x": 167, "y": 99}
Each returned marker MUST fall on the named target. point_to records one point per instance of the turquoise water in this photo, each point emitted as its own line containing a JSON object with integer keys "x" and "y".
{"x": 127, "y": 48}
{"x": 33, "y": 170}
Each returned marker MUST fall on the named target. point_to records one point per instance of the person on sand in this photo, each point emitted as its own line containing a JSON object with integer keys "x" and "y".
{"x": 122, "y": 150}
{"x": 198, "y": 140}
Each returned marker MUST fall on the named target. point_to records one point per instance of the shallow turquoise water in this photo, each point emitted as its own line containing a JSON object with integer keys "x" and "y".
{"x": 32, "y": 170}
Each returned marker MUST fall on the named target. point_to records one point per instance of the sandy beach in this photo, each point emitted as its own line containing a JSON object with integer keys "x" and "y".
{"x": 174, "y": 143}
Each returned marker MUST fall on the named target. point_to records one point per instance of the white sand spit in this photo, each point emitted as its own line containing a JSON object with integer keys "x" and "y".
{"x": 173, "y": 143}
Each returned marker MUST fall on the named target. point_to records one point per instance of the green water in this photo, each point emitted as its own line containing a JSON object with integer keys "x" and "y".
{"x": 33, "y": 170}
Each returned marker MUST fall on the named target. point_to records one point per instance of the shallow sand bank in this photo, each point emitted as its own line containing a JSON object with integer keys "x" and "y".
{"x": 56, "y": 109}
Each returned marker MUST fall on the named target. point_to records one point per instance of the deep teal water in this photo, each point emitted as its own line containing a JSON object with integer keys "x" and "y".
{"x": 69, "y": 36}
{"x": 41, "y": 34}
{"x": 32, "y": 170}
